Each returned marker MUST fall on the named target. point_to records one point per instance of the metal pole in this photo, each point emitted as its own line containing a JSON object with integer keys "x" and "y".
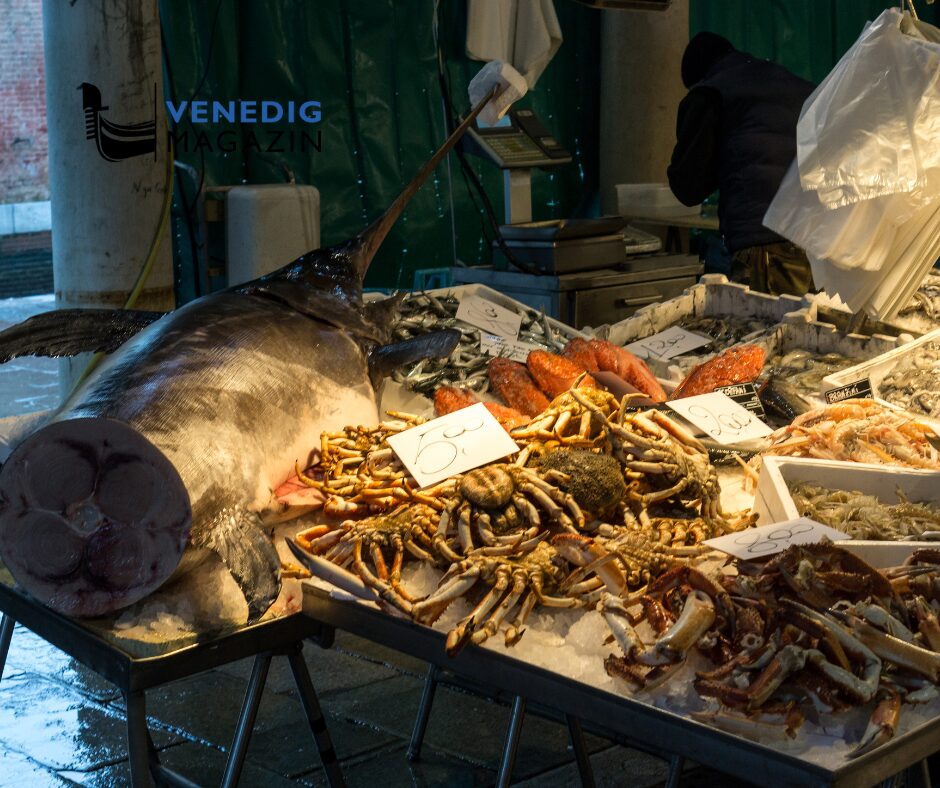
{"x": 246, "y": 720}
{"x": 581, "y": 756}
{"x": 138, "y": 753}
{"x": 107, "y": 169}
{"x": 6, "y": 635}
{"x": 512, "y": 742}
{"x": 424, "y": 714}
{"x": 676, "y": 765}
{"x": 321, "y": 734}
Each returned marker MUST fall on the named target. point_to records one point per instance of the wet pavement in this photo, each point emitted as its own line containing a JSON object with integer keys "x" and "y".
{"x": 60, "y": 724}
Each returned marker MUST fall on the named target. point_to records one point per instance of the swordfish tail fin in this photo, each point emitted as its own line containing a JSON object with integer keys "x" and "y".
{"x": 369, "y": 241}
{"x": 93, "y": 517}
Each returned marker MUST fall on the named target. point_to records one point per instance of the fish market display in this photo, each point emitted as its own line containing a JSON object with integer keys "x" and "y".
{"x": 555, "y": 374}
{"x": 448, "y": 399}
{"x": 597, "y": 355}
{"x": 805, "y": 370}
{"x": 466, "y": 367}
{"x": 740, "y": 364}
{"x": 914, "y": 383}
{"x": 598, "y": 498}
{"x": 858, "y": 430}
{"x": 177, "y": 441}
{"x": 724, "y": 330}
{"x": 864, "y": 516}
{"x": 813, "y": 631}
{"x": 923, "y": 310}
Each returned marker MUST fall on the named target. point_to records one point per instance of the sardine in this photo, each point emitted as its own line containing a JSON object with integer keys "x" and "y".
{"x": 176, "y": 443}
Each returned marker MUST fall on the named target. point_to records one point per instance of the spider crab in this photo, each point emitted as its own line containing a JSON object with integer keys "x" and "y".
{"x": 517, "y": 582}
{"x": 650, "y": 444}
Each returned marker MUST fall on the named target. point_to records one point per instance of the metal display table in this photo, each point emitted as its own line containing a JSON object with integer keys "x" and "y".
{"x": 134, "y": 675}
{"x": 625, "y": 719}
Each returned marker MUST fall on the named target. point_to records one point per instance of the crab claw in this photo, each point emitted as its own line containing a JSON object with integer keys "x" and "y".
{"x": 881, "y": 725}
{"x": 585, "y": 553}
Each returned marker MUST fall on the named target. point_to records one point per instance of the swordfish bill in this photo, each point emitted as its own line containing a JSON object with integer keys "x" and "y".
{"x": 170, "y": 451}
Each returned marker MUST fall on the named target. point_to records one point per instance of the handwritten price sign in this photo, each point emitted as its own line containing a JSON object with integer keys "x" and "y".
{"x": 492, "y": 345}
{"x": 667, "y": 344}
{"x": 452, "y": 444}
{"x": 771, "y": 539}
{"x": 720, "y": 417}
{"x": 490, "y": 317}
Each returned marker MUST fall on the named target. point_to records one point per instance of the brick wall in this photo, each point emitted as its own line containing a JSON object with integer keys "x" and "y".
{"x": 24, "y": 169}
{"x": 25, "y": 264}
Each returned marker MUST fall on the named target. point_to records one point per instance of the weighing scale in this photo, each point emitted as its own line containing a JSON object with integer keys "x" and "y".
{"x": 594, "y": 271}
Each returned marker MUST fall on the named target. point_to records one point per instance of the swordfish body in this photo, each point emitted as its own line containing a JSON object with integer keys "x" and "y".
{"x": 175, "y": 444}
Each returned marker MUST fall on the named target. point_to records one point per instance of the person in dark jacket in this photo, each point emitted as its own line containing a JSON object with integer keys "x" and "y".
{"x": 736, "y": 132}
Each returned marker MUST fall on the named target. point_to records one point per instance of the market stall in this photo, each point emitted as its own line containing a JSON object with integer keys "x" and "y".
{"x": 705, "y": 527}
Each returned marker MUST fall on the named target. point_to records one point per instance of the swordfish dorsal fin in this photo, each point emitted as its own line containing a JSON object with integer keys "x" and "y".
{"x": 339, "y": 270}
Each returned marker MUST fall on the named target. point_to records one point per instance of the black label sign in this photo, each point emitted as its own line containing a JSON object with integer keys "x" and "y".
{"x": 745, "y": 394}
{"x": 860, "y": 389}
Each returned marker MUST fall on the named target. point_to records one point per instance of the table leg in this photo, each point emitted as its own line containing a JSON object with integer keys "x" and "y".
{"x": 581, "y": 756}
{"x": 246, "y": 720}
{"x": 321, "y": 734}
{"x": 424, "y": 713}
{"x": 676, "y": 765}
{"x": 6, "y": 635}
{"x": 512, "y": 742}
{"x": 138, "y": 749}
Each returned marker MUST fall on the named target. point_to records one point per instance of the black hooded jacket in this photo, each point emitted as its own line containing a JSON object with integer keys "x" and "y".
{"x": 736, "y": 131}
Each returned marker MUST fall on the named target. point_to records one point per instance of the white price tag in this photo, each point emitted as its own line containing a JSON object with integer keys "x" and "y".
{"x": 452, "y": 444}
{"x": 720, "y": 417}
{"x": 674, "y": 341}
{"x": 770, "y": 539}
{"x": 492, "y": 345}
{"x": 492, "y": 318}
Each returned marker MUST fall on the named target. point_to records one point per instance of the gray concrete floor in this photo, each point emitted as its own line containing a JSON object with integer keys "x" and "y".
{"x": 61, "y": 725}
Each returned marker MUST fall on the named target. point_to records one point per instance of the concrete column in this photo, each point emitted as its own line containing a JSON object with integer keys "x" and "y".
{"x": 641, "y": 87}
{"x": 107, "y": 193}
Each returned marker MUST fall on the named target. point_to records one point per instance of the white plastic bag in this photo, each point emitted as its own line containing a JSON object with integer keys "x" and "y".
{"x": 871, "y": 127}
{"x": 863, "y": 195}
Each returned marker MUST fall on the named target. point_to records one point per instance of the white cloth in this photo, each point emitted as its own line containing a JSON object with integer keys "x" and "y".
{"x": 496, "y": 73}
{"x": 523, "y": 33}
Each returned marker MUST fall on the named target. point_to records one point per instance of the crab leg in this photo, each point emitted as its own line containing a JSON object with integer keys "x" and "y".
{"x": 395, "y": 575}
{"x": 906, "y": 655}
{"x": 458, "y": 637}
{"x": 881, "y": 726}
{"x": 491, "y": 625}
{"x": 852, "y": 645}
{"x": 387, "y": 592}
{"x": 515, "y": 630}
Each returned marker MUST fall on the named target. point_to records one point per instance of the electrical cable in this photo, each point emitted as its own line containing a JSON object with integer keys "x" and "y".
{"x": 187, "y": 208}
{"x": 466, "y": 170}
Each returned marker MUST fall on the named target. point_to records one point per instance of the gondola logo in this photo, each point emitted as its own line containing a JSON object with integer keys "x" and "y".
{"x": 117, "y": 141}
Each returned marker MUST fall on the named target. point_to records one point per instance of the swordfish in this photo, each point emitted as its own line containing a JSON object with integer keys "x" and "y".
{"x": 173, "y": 446}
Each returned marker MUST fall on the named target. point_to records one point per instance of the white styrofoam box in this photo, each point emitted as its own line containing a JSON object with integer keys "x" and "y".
{"x": 822, "y": 338}
{"x": 774, "y": 504}
{"x": 878, "y": 368}
{"x": 713, "y": 296}
{"x": 459, "y": 291}
{"x": 268, "y": 225}
{"x": 651, "y": 200}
